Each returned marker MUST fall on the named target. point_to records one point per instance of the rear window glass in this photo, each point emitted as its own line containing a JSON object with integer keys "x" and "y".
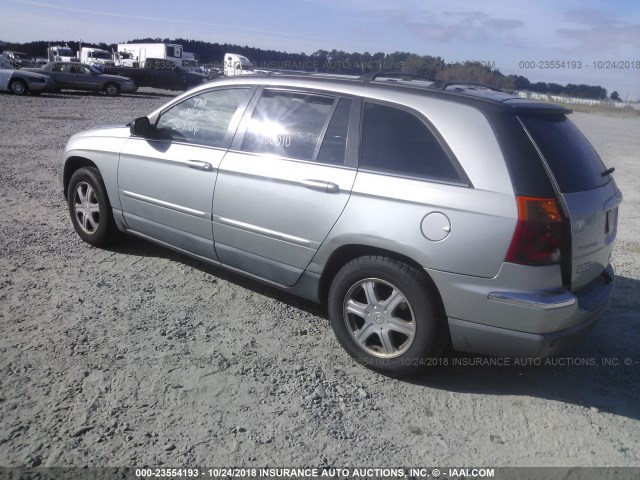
{"x": 574, "y": 163}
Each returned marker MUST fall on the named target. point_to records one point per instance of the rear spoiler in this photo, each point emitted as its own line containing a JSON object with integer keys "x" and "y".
{"x": 523, "y": 105}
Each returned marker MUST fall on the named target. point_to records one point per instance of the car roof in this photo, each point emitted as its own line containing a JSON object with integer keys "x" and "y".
{"x": 483, "y": 97}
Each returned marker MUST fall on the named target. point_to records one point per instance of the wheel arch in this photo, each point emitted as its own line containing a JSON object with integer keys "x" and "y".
{"x": 71, "y": 166}
{"x": 345, "y": 253}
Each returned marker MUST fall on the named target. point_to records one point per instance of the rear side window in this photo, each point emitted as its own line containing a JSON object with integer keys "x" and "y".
{"x": 288, "y": 124}
{"x": 396, "y": 141}
{"x": 574, "y": 163}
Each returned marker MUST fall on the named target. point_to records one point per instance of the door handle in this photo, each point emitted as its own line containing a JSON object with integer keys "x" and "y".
{"x": 198, "y": 165}
{"x": 321, "y": 185}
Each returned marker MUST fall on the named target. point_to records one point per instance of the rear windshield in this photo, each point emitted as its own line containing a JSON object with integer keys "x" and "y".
{"x": 574, "y": 163}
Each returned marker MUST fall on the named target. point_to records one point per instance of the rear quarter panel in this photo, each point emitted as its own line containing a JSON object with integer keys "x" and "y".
{"x": 387, "y": 211}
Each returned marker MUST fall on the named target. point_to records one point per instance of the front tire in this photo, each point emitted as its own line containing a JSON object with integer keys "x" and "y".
{"x": 386, "y": 315}
{"x": 89, "y": 207}
{"x": 18, "y": 87}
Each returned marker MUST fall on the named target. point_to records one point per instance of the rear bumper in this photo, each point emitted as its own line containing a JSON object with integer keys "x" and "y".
{"x": 580, "y": 310}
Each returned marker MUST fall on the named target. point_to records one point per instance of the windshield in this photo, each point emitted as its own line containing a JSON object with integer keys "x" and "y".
{"x": 93, "y": 69}
{"x": 101, "y": 55}
{"x": 173, "y": 52}
{"x": 21, "y": 56}
{"x": 247, "y": 66}
{"x": 64, "y": 52}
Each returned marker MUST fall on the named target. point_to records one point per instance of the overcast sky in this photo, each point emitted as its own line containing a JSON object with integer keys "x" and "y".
{"x": 500, "y": 32}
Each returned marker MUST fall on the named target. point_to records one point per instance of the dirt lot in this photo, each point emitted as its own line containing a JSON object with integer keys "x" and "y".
{"x": 137, "y": 356}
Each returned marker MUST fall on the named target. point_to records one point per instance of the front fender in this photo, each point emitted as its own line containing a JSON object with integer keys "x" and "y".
{"x": 98, "y": 147}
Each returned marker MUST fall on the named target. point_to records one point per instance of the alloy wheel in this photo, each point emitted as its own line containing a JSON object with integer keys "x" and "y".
{"x": 379, "y": 318}
{"x": 86, "y": 208}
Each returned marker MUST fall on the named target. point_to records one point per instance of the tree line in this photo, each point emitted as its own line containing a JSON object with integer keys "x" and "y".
{"x": 355, "y": 63}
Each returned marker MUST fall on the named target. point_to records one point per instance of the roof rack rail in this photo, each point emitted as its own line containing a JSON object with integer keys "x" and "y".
{"x": 442, "y": 85}
{"x": 300, "y": 73}
{"x": 371, "y": 76}
{"x": 338, "y": 76}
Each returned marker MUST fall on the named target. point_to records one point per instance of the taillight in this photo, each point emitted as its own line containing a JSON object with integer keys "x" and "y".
{"x": 538, "y": 236}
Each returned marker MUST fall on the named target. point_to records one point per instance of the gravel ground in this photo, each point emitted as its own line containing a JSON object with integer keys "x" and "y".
{"x": 137, "y": 356}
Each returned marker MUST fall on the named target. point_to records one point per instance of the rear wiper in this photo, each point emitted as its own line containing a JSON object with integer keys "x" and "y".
{"x": 608, "y": 171}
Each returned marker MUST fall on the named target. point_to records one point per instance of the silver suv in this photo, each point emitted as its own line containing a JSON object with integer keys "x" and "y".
{"x": 421, "y": 214}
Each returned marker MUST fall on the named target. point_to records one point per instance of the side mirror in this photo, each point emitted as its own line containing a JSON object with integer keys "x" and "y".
{"x": 140, "y": 127}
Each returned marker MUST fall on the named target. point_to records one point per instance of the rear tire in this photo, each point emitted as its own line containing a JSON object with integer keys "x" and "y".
{"x": 112, "y": 89}
{"x": 90, "y": 209}
{"x": 386, "y": 314}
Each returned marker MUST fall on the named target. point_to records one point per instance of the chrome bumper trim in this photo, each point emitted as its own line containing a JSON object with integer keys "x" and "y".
{"x": 538, "y": 300}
